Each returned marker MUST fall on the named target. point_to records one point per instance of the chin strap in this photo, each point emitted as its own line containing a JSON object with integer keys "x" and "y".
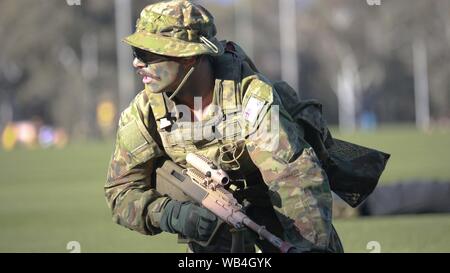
{"x": 183, "y": 82}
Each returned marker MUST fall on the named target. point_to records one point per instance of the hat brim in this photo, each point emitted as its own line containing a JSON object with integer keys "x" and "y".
{"x": 170, "y": 46}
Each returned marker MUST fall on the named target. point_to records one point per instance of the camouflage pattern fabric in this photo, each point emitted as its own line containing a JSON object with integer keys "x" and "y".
{"x": 177, "y": 29}
{"x": 290, "y": 168}
{"x": 128, "y": 188}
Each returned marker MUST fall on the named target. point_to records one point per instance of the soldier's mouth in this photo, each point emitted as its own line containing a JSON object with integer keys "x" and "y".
{"x": 148, "y": 77}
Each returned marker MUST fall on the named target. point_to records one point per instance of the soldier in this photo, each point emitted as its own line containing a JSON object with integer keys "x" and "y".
{"x": 284, "y": 187}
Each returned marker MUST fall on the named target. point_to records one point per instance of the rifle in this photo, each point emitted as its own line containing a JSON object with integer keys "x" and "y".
{"x": 204, "y": 183}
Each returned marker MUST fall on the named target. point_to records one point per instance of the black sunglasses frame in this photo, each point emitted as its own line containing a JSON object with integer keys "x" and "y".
{"x": 148, "y": 57}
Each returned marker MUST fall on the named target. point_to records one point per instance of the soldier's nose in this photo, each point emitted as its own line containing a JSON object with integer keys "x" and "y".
{"x": 138, "y": 63}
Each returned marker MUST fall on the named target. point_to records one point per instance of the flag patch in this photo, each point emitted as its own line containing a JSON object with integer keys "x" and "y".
{"x": 253, "y": 108}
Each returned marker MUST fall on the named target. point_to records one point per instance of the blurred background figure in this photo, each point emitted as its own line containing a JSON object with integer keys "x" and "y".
{"x": 9, "y": 137}
{"x": 32, "y": 134}
{"x": 26, "y": 133}
{"x": 106, "y": 113}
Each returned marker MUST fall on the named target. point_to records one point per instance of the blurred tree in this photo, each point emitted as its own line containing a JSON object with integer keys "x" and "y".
{"x": 374, "y": 43}
{"x": 343, "y": 45}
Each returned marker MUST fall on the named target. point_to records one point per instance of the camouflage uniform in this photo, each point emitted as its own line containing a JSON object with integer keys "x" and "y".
{"x": 296, "y": 193}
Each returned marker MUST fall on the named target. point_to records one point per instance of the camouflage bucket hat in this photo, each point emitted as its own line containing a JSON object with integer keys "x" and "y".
{"x": 176, "y": 28}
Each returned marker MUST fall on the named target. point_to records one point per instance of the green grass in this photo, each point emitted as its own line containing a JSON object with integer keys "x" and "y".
{"x": 50, "y": 197}
{"x": 416, "y": 233}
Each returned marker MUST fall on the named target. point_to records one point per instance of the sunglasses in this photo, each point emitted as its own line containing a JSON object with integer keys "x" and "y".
{"x": 148, "y": 57}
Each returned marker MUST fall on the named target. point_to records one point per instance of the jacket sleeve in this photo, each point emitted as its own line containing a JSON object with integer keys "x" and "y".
{"x": 128, "y": 189}
{"x": 288, "y": 165}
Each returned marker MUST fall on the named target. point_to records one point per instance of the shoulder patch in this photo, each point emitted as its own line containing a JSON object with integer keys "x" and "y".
{"x": 253, "y": 108}
{"x": 257, "y": 101}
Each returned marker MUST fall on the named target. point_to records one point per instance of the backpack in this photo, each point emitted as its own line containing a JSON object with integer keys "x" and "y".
{"x": 353, "y": 171}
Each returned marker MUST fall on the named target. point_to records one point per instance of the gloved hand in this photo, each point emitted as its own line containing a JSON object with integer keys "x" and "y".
{"x": 188, "y": 219}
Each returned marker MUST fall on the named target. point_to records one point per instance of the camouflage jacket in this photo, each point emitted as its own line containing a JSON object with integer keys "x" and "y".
{"x": 286, "y": 161}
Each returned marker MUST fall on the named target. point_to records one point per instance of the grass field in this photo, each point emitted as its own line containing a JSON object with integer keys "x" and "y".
{"x": 51, "y": 197}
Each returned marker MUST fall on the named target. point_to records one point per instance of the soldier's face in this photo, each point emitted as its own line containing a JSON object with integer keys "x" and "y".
{"x": 160, "y": 77}
{"x": 159, "y": 73}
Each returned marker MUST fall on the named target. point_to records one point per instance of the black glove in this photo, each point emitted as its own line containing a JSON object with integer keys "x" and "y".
{"x": 188, "y": 219}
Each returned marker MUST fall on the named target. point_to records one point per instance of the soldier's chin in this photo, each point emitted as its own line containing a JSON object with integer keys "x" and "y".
{"x": 154, "y": 89}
